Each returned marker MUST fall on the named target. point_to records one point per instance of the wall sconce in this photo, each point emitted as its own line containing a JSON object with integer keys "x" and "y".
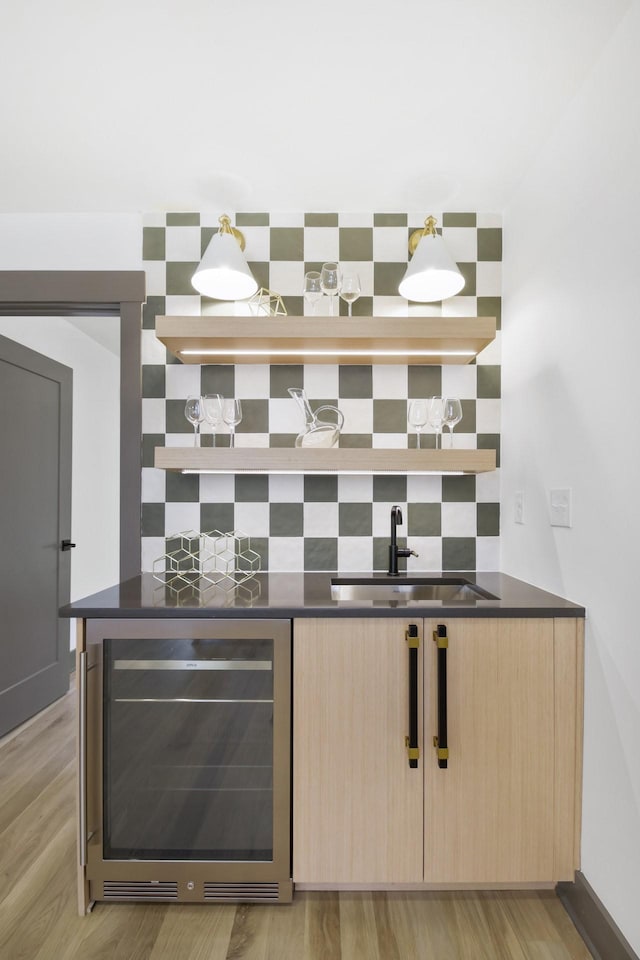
{"x": 432, "y": 273}
{"x": 223, "y": 272}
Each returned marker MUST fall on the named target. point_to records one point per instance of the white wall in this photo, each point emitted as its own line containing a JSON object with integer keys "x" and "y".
{"x": 95, "y": 509}
{"x": 63, "y": 241}
{"x": 571, "y": 409}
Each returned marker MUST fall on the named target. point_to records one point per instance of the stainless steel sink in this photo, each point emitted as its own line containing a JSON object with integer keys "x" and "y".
{"x": 405, "y": 590}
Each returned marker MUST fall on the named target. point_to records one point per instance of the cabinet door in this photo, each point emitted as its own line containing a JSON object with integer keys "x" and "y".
{"x": 357, "y": 803}
{"x": 489, "y": 815}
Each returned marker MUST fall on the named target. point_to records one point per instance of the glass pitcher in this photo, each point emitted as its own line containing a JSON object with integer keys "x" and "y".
{"x": 317, "y": 432}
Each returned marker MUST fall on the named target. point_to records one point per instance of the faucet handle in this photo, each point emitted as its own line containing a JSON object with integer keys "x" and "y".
{"x": 412, "y": 553}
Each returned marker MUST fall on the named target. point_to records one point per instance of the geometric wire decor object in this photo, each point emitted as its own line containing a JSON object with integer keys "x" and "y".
{"x": 204, "y": 560}
{"x": 205, "y": 594}
{"x": 268, "y": 302}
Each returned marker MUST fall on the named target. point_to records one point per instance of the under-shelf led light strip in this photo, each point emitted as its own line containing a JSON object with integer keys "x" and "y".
{"x": 330, "y": 473}
{"x": 303, "y": 352}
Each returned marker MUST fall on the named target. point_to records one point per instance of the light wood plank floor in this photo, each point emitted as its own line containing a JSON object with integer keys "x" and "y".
{"x": 38, "y": 918}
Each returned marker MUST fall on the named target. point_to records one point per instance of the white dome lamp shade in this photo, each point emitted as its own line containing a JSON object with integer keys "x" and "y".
{"x": 223, "y": 272}
{"x": 432, "y": 273}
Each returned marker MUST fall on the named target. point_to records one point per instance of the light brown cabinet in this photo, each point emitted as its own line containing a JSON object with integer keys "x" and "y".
{"x": 504, "y": 811}
{"x": 357, "y": 804}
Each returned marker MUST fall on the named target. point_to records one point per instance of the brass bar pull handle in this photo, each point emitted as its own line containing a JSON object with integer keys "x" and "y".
{"x": 82, "y": 759}
{"x": 440, "y": 741}
{"x": 411, "y": 741}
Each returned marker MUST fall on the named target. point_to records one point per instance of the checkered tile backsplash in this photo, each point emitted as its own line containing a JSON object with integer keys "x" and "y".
{"x": 324, "y": 523}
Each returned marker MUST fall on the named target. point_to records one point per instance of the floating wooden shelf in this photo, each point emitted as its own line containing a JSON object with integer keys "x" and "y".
{"x": 415, "y": 340}
{"x": 335, "y": 460}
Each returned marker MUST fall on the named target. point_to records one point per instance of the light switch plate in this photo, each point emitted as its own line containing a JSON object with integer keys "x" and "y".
{"x": 560, "y": 507}
{"x": 518, "y": 506}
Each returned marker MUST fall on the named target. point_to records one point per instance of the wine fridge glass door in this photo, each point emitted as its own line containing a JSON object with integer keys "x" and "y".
{"x": 194, "y": 737}
{"x": 188, "y": 750}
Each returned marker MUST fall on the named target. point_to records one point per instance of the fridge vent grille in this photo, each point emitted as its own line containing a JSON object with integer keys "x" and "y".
{"x": 140, "y": 890}
{"x": 241, "y": 891}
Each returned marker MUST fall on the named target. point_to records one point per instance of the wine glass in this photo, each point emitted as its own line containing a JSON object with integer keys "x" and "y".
{"x": 212, "y": 409}
{"x": 436, "y": 418}
{"x": 330, "y": 281}
{"x": 232, "y": 416}
{"x": 350, "y": 289}
{"x": 452, "y": 415}
{"x": 194, "y": 413}
{"x": 312, "y": 289}
{"x": 418, "y": 417}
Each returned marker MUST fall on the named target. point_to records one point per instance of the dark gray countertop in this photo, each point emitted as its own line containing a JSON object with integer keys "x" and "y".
{"x": 287, "y": 595}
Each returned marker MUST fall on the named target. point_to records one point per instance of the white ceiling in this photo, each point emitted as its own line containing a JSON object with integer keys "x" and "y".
{"x": 143, "y": 105}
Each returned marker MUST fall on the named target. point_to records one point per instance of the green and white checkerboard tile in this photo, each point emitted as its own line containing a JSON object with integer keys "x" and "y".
{"x": 320, "y": 523}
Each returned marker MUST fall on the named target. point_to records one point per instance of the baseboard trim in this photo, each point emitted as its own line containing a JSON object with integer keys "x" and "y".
{"x": 422, "y": 887}
{"x": 593, "y": 921}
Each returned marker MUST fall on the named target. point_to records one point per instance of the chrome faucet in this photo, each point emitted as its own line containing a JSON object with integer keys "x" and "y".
{"x": 394, "y": 550}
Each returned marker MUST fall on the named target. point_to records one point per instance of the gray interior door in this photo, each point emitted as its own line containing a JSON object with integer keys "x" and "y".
{"x": 35, "y": 517}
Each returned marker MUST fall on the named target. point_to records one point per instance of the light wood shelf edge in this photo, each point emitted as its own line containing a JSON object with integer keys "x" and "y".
{"x": 232, "y": 338}
{"x": 346, "y": 460}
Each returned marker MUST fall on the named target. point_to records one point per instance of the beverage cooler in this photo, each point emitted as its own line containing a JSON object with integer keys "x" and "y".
{"x": 185, "y": 760}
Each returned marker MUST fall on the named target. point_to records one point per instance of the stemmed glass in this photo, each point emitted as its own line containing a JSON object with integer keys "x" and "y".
{"x": 350, "y": 289}
{"x": 436, "y": 418}
{"x": 232, "y": 416}
{"x": 330, "y": 281}
{"x": 418, "y": 417}
{"x": 312, "y": 289}
{"x": 452, "y": 415}
{"x": 212, "y": 409}
{"x": 194, "y": 413}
